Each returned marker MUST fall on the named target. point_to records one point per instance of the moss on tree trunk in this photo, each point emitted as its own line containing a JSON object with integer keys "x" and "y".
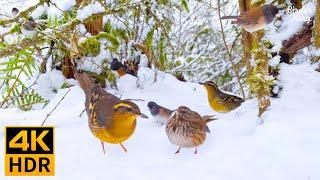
{"x": 246, "y": 37}
{"x": 317, "y": 26}
{"x": 258, "y": 76}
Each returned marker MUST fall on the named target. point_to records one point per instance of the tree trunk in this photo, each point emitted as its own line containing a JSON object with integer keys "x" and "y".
{"x": 246, "y": 37}
{"x": 93, "y": 26}
{"x": 258, "y": 75}
{"x": 317, "y": 26}
{"x": 261, "y": 69}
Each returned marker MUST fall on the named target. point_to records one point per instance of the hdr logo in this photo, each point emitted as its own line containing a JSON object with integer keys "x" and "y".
{"x": 29, "y": 151}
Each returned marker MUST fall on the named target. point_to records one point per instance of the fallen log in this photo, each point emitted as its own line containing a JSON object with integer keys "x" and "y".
{"x": 298, "y": 41}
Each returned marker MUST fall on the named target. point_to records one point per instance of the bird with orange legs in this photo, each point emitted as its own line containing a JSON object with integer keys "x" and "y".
{"x": 110, "y": 119}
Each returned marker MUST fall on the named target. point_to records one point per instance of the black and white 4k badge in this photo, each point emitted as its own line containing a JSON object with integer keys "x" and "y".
{"x": 29, "y": 151}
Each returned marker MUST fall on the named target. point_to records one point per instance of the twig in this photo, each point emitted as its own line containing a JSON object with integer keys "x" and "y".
{"x": 235, "y": 41}
{"x": 5, "y": 15}
{"x": 135, "y": 100}
{"x": 230, "y": 56}
{"x": 55, "y": 5}
{"x": 82, "y": 112}
{"x": 190, "y": 63}
{"x": 48, "y": 115}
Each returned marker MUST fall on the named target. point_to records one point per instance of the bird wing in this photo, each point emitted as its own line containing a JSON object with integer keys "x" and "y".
{"x": 254, "y": 12}
{"x": 209, "y": 118}
{"x": 165, "y": 112}
{"x": 104, "y": 105}
{"x": 228, "y": 98}
{"x": 250, "y": 17}
{"x": 230, "y": 17}
{"x": 196, "y": 121}
{"x": 247, "y": 21}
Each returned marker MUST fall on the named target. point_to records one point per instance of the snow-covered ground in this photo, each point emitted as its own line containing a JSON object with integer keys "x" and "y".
{"x": 285, "y": 147}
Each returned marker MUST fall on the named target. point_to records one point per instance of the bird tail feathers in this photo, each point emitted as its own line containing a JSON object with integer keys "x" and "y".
{"x": 209, "y": 118}
{"x": 230, "y": 17}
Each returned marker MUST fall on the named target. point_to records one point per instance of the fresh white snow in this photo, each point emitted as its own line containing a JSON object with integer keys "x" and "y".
{"x": 92, "y": 8}
{"x": 285, "y": 146}
{"x": 292, "y": 22}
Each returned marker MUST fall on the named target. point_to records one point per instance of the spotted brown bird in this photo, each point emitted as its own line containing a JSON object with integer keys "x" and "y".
{"x": 159, "y": 113}
{"x": 110, "y": 119}
{"x": 256, "y": 18}
{"x": 186, "y": 128}
{"x": 220, "y": 101}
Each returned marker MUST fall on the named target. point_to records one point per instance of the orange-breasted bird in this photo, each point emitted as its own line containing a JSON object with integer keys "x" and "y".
{"x": 123, "y": 69}
{"x": 256, "y": 18}
{"x": 220, "y": 101}
{"x": 186, "y": 128}
{"x": 110, "y": 119}
{"x": 117, "y": 66}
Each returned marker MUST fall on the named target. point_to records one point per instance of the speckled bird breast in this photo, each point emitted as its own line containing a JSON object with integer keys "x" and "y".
{"x": 181, "y": 134}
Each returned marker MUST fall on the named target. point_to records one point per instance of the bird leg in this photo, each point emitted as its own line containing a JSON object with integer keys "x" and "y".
{"x": 122, "y": 146}
{"x": 196, "y": 151}
{"x": 104, "y": 152}
{"x": 177, "y": 151}
{"x": 82, "y": 112}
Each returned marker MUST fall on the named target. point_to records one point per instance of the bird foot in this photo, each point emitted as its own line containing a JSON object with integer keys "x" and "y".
{"x": 104, "y": 152}
{"x": 124, "y": 149}
{"x": 177, "y": 151}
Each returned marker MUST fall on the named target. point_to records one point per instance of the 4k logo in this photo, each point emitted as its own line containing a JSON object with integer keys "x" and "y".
{"x": 29, "y": 151}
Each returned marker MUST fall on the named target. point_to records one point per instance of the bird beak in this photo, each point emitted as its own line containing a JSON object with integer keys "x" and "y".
{"x": 278, "y": 15}
{"x": 201, "y": 83}
{"x": 143, "y": 116}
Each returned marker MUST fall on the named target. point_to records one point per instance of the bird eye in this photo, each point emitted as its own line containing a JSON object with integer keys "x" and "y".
{"x": 129, "y": 109}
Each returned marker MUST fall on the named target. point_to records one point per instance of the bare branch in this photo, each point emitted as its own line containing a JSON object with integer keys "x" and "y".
{"x": 229, "y": 53}
{"x": 48, "y": 115}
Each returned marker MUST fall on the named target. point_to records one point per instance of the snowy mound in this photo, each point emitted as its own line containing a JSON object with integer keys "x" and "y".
{"x": 286, "y": 146}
